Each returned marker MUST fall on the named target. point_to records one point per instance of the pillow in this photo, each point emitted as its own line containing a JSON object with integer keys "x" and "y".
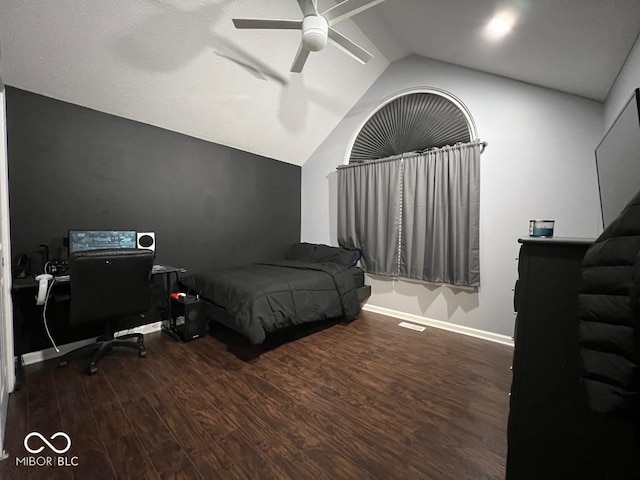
{"x": 315, "y": 253}
{"x": 341, "y": 256}
{"x": 301, "y": 252}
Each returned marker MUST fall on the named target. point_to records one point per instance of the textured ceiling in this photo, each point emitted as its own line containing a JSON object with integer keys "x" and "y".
{"x": 181, "y": 65}
{"x": 575, "y": 46}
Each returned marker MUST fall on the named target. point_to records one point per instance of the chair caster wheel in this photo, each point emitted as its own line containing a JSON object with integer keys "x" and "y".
{"x": 93, "y": 370}
{"x": 62, "y": 363}
{"x": 142, "y": 353}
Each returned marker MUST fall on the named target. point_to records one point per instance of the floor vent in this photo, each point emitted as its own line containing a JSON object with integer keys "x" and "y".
{"x": 411, "y": 326}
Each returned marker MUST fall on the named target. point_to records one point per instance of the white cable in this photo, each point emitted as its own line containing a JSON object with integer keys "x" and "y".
{"x": 44, "y": 314}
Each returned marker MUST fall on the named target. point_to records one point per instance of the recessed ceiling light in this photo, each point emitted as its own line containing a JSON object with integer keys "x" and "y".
{"x": 499, "y": 26}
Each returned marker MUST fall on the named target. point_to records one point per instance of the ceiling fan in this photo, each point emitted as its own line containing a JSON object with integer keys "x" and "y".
{"x": 317, "y": 28}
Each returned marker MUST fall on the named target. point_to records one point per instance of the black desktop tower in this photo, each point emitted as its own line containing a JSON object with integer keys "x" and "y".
{"x": 188, "y": 320}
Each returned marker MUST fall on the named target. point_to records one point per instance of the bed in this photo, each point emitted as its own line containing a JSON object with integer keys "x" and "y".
{"x": 313, "y": 283}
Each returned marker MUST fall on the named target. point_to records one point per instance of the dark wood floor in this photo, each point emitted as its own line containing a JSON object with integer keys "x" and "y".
{"x": 362, "y": 400}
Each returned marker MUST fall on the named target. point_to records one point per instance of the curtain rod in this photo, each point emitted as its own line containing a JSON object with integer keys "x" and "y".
{"x": 483, "y": 146}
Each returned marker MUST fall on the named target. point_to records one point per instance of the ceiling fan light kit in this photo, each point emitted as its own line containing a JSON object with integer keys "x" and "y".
{"x": 317, "y": 28}
{"x": 314, "y": 33}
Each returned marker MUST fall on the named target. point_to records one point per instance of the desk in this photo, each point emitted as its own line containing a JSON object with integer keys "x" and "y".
{"x": 158, "y": 269}
{"x": 28, "y": 328}
{"x": 166, "y": 270}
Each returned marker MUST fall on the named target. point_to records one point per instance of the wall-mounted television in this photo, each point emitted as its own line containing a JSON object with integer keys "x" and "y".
{"x": 100, "y": 239}
{"x": 618, "y": 161}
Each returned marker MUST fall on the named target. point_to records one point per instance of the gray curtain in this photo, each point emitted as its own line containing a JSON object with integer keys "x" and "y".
{"x": 369, "y": 213}
{"x": 441, "y": 216}
{"x": 415, "y": 216}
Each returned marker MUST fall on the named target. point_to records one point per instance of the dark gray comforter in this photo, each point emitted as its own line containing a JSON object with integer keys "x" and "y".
{"x": 267, "y": 297}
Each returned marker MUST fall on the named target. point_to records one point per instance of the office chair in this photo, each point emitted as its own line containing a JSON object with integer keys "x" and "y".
{"x": 106, "y": 286}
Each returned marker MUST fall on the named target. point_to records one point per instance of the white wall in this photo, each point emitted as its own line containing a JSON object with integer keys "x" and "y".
{"x": 539, "y": 164}
{"x": 627, "y": 81}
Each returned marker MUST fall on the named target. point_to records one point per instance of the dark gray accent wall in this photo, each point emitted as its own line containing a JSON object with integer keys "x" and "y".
{"x": 210, "y": 206}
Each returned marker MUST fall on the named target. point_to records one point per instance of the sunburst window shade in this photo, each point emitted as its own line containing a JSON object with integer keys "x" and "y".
{"x": 412, "y": 122}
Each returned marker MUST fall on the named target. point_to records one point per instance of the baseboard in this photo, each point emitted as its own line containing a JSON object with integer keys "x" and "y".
{"x": 49, "y": 353}
{"x": 452, "y": 327}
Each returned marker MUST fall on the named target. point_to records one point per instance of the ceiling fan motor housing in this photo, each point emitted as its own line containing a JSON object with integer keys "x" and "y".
{"x": 314, "y": 32}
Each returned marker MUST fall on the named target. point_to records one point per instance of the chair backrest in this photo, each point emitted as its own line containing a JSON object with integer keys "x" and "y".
{"x": 107, "y": 284}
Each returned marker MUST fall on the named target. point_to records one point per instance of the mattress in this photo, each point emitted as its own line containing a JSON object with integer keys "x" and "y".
{"x": 267, "y": 297}
{"x": 358, "y": 276}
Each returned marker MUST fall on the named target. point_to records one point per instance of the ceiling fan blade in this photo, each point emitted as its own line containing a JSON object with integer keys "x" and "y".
{"x": 347, "y": 9}
{"x": 308, "y": 7}
{"x": 269, "y": 24}
{"x": 356, "y": 50}
{"x": 301, "y": 58}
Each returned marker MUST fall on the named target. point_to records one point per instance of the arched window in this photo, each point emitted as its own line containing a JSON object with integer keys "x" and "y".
{"x": 409, "y": 197}
{"x": 412, "y": 120}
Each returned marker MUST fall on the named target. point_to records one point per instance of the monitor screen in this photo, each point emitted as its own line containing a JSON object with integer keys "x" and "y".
{"x": 100, "y": 239}
{"x": 618, "y": 162}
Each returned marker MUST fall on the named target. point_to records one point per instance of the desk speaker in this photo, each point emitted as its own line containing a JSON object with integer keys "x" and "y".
{"x": 147, "y": 240}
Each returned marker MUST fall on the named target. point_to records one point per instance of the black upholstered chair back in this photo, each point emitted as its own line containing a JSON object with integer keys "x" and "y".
{"x": 106, "y": 284}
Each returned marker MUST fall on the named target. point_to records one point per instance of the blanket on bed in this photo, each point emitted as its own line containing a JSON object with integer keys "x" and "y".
{"x": 267, "y": 297}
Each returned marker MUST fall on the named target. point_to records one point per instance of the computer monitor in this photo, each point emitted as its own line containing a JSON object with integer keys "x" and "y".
{"x": 100, "y": 239}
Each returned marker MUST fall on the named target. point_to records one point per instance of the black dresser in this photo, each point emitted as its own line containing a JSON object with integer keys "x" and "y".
{"x": 551, "y": 432}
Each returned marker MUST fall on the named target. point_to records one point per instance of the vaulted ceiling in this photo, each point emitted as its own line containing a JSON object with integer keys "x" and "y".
{"x": 181, "y": 64}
